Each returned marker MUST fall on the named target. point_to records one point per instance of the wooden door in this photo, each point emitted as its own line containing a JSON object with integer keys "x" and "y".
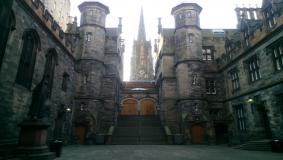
{"x": 197, "y": 134}
{"x": 129, "y": 107}
{"x": 80, "y": 133}
{"x": 147, "y": 107}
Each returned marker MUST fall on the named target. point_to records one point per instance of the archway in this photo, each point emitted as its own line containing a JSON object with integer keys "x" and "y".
{"x": 147, "y": 107}
{"x": 129, "y": 107}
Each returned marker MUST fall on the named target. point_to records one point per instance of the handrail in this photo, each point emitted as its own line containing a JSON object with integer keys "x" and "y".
{"x": 109, "y": 134}
{"x": 169, "y": 134}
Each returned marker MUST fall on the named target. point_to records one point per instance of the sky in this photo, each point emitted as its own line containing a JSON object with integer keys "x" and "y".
{"x": 216, "y": 14}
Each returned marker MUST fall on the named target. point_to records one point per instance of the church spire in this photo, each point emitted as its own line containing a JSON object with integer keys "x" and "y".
{"x": 141, "y": 32}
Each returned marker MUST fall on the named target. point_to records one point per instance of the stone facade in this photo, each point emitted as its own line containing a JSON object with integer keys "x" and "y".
{"x": 141, "y": 61}
{"x": 60, "y": 10}
{"x": 227, "y": 83}
{"x": 87, "y": 77}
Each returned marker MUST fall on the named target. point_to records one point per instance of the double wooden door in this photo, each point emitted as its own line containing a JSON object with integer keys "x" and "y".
{"x": 133, "y": 107}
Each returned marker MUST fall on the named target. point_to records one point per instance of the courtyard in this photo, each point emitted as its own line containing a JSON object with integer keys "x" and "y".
{"x": 162, "y": 152}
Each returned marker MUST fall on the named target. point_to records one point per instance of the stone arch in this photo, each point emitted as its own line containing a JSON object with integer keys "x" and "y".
{"x": 31, "y": 45}
{"x": 148, "y": 106}
{"x": 129, "y": 106}
{"x": 85, "y": 127}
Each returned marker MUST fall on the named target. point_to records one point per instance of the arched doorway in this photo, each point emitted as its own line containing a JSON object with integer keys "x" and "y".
{"x": 147, "y": 107}
{"x": 197, "y": 134}
{"x": 129, "y": 107}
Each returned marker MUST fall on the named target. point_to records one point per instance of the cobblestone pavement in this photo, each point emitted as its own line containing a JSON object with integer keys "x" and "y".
{"x": 163, "y": 152}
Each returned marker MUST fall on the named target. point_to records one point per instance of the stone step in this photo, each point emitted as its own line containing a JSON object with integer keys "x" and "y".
{"x": 261, "y": 145}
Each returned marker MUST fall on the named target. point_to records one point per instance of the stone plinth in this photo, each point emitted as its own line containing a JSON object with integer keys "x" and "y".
{"x": 32, "y": 141}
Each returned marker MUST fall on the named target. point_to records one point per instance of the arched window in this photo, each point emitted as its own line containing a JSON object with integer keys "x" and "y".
{"x": 31, "y": 45}
{"x": 51, "y": 62}
{"x": 6, "y": 26}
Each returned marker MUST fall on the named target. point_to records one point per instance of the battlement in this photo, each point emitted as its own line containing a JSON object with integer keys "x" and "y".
{"x": 45, "y": 18}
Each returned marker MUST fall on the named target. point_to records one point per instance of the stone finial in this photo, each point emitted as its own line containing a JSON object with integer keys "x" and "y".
{"x": 159, "y": 25}
{"x": 120, "y": 25}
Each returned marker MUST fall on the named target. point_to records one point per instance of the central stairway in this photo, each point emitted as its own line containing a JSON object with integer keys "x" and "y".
{"x": 139, "y": 130}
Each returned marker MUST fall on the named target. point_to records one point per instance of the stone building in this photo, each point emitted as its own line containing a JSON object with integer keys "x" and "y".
{"x": 60, "y": 10}
{"x": 222, "y": 85}
{"x": 82, "y": 65}
{"x": 212, "y": 86}
{"x": 141, "y": 60}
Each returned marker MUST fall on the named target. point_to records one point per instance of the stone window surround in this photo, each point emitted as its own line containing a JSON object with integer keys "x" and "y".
{"x": 240, "y": 117}
{"x": 235, "y": 79}
{"x": 210, "y": 86}
{"x": 65, "y": 81}
{"x": 88, "y": 36}
{"x": 277, "y": 55}
{"x": 208, "y": 53}
{"x": 30, "y": 47}
{"x": 270, "y": 17}
{"x": 252, "y": 67}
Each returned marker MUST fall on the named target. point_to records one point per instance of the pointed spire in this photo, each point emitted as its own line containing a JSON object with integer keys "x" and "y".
{"x": 141, "y": 32}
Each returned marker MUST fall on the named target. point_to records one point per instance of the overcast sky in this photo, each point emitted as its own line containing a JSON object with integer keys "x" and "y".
{"x": 216, "y": 14}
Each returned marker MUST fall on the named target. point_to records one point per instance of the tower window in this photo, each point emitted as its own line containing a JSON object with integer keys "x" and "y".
{"x": 190, "y": 38}
{"x": 253, "y": 69}
{"x": 210, "y": 87}
{"x": 88, "y": 37}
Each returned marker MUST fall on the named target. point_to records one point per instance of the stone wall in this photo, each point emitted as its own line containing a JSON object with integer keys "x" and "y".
{"x": 15, "y": 99}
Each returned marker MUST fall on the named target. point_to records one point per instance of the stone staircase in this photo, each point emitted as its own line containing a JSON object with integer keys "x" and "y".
{"x": 139, "y": 130}
{"x": 259, "y": 145}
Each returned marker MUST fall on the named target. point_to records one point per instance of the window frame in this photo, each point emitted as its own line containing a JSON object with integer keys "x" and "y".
{"x": 210, "y": 86}
{"x": 206, "y": 54}
{"x": 253, "y": 69}
{"x": 240, "y": 116}
{"x": 235, "y": 79}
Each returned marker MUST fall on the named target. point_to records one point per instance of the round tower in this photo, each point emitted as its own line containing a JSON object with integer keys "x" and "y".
{"x": 189, "y": 67}
{"x": 92, "y": 29}
{"x": 188, "y": 34}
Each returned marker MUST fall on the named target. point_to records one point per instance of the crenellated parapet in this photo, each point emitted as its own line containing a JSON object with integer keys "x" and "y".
{"x": 45, "y": 18}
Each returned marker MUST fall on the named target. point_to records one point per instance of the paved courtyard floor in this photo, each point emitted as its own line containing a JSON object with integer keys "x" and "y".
{"x": 163, "y": 152}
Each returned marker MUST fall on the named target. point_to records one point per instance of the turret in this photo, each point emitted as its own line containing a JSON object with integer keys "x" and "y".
{"x": 186, "y": 15}
{"x": 93, "y": 16}
{"x": 188, "y": 35}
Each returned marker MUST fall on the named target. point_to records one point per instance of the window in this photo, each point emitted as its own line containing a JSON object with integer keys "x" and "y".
{"x": 51, "y": 62}
{"x": 210, "y": 87}
{"x": 253, "y": 69}
{"x": 31, "y": 44}
{"x": 247, "y": 37}
{"x": 190, "y": 38}
{"x": 65, "y": 82}
{"x": 88, "y": 37}
{"x": 240, "y": 116}
{"x": 277, "y": 52}
{"x": 270, "y": 17}
{"x": 235, "y": 79}
{"x": 207, "y": 53}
